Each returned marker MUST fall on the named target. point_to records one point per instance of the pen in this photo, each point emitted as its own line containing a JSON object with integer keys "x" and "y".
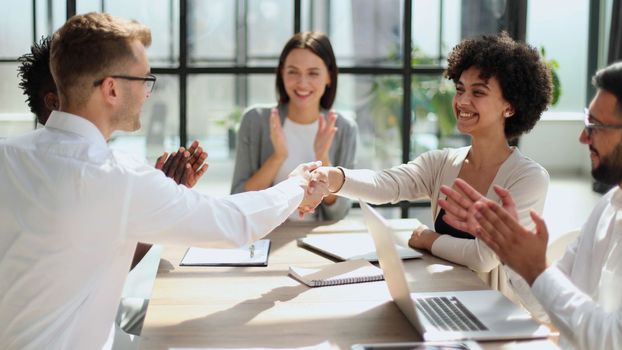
{"x": 251, "y": 249}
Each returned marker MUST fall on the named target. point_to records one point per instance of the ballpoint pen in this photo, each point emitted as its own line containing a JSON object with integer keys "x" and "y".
{"x": 251, "y": 249}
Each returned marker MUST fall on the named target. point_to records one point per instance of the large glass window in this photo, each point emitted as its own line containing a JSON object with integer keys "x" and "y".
{"x": 567, "y": 47}
{"x": 159, "y": 130}
{"x": 211, "y": 32}
{"x": 161, "y": 16}
{"x": 232, "y": 49}
{"x": 15, "y": 117}
{"x": 15, "y": 33}
{"x": 211, "y": 104}
{"x": 362, "y": 32}
{"x": 269, "y": 25}
{"x": 435, "y": 29}
{"x": 376, "y": 106}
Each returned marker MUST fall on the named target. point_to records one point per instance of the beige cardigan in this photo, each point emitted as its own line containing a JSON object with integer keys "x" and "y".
{"x": 526, "y": 180}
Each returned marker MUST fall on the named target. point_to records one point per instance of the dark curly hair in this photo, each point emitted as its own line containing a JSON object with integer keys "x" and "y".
{"x": 35, "y": 77}
{"x": 524, "y": 77}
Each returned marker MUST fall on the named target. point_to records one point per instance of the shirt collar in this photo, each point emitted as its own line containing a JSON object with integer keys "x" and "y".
{"x": 78, "y": 125}
{"x": 616, "y": 197}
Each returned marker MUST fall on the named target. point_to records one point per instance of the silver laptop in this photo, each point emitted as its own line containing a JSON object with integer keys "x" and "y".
{"x": 479, "y": 315}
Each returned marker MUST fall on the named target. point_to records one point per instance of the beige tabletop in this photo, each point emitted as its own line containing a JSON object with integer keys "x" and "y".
{"x": 262, "y": 307}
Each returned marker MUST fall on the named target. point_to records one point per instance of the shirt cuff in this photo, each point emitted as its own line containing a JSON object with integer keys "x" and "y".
{"x": 545, "y": 286}
{"x": 291, "y": 187}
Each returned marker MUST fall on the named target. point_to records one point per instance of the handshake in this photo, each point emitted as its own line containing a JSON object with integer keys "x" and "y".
{"x": 317, "y": 182}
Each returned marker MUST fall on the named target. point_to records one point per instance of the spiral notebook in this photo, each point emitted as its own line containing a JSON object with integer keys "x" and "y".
{"x": 351, "y": 271}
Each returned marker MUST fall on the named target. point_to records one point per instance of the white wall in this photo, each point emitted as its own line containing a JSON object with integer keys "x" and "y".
{"x": 554, "y": 143}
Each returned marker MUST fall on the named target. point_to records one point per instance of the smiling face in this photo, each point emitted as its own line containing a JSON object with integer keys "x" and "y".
{"x": 305, "y": 77}
{"x": 479, "y": 105}
{"x": 605, "y": 145}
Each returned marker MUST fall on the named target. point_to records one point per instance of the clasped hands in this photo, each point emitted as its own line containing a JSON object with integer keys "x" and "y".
{"x": 315, "y": 187}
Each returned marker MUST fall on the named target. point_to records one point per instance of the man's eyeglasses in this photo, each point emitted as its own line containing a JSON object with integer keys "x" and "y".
{"x": 590, "y": 127}
{"x": 149, "y": 80}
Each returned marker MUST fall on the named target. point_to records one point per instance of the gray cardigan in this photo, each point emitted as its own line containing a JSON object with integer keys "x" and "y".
{"x": 254, "y": 147}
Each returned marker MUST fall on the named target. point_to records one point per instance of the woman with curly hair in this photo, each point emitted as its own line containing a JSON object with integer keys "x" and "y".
{"x": 502, "y": 88}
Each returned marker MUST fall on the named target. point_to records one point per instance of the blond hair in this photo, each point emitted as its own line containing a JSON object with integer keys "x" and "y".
{"x": 89, "y": 47}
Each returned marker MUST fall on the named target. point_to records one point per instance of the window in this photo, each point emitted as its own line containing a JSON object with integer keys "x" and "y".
{"x": 385, "y": 49}
{"x": 570, "y": 49}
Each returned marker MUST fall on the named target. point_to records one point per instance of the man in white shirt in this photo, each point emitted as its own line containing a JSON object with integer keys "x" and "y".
{"x": 72, "y": 210}
{"x": 581, "y": 292}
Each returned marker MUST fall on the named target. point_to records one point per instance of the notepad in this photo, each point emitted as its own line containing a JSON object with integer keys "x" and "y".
{"x": 350, "y": 246}
{"x": 352, "y": 271}
{"x": 427, "y": 345}
{"x": 196, "y": 256}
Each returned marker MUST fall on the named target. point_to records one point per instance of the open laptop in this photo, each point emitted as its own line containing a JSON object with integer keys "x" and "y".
{"x": 478, "y": 315}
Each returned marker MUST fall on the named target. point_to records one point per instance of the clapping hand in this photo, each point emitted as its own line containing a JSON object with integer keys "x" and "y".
{"x": 324, "y": 137}
{"x": 459, "y": 205}
{"x": 185, "y": 167}
{"x": 498, "y": 227}
{"x": 277, "y": 136}
{"x": 515, "y": 245}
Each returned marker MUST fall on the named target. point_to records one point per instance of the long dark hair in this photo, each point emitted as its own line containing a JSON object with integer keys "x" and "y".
{"x": 319, "y": 44}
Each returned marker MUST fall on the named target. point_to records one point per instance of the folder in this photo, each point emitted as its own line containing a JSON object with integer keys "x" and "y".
{"x": 350, "y": 246}
{"x": 241, "y": 256}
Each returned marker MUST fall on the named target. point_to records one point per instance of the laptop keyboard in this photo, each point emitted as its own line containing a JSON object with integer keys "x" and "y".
{"x": 449, "y": 314}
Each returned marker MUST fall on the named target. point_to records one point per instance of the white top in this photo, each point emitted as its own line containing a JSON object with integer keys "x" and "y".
{"x": 299, "y": 140}
{"x": 71, "y": 212}
{"x": 423, "y": 177}
{"x": 581, "y": 292}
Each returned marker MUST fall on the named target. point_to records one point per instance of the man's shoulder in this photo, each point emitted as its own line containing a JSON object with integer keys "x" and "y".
{"x": 23, "y": 140}
{"x": 128, "y": 161}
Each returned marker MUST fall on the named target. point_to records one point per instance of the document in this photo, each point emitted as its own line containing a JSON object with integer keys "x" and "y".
{"x": 248, "y": 255}
{"x": 352, "y": 271}
{"x": 350, "y": 246}
{"x": 428, "y": 345}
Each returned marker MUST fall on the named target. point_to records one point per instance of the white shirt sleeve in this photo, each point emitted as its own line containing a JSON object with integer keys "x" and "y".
{"x": 161, "y": 211}
{"x": 410, "y": 181}
{"x": 581, "y": 320}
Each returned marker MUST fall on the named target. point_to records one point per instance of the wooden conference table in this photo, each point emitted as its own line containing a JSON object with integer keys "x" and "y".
{"x": 262, "y": 307}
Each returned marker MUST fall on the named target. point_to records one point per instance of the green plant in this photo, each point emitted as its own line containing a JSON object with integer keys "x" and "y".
{"x": 429, "y": 94}
{"x": 553, "y": 66}
{"x": 231, "y": 120}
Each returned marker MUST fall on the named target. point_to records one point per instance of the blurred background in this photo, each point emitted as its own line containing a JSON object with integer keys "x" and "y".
{"x": 215, "y": 58}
